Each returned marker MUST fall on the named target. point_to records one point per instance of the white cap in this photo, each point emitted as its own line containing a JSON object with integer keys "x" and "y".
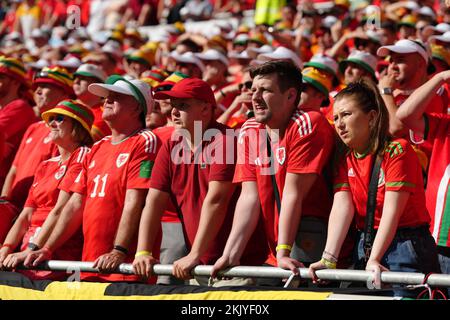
{"x": 441, "y": 27}
{"x": 188, "y": 57}
{"x": 427, "y": 11}
{"x": 113, "y": 48}
{"x": 235, "y": 55}
{"x": 322, "y": 61}
{"x": 444, "y": 38}
{"x": 213, "y": 54}
{"x": 405, "y": 46}
{"x": 69, "y": 62}
{"x": 242, "y": 37}
{"x": 282, "y": 53}
{"x": 89, "y": 45}
{"x": 41, "y": 63}
{"x": 364, "y": 59}
{"x": 329, "y": 21}
{"x": 91, "y": 70}
{"x": 263, "y": 49}
{"x": 122, "y": 86}
{"x": 411, "y": 5}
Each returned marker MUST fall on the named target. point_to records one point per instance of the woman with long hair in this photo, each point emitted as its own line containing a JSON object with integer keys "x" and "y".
{"x": 397, "y": 238}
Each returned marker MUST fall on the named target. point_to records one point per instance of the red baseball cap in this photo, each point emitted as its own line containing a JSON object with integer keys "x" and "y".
{"x": 189, "y": 88}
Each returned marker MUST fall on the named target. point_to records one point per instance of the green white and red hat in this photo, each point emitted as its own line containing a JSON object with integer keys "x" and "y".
{"x": 73, "y": 109}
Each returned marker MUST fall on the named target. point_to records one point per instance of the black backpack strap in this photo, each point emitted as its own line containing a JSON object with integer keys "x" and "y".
{"x": 276, "y": 192}
{"x": 371, "y": 205}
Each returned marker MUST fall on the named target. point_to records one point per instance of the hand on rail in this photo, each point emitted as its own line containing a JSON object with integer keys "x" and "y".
{"x": 289, "y": 264}
{"x": 3, "y": 254}
{"x": 34, "y": 258}
{"x": 376, "y": 268}
{"x": 182, "y": 267}
{"x": 109, "y": 262}
{"x": 222, "y": 263}
{"x": 312, "y": 271}
{"x": 15, "y": 259}
{"x": 143, "y": 266}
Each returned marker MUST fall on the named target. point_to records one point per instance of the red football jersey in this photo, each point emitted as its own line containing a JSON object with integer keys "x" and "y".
{"x": 305, "y": 148}
{"x": 36, "y": 146}
{"x": 400, "y": 171}
{"x": 42, "y": 197}
{"x": 15, "y": 118}
{"x": 437, "y": 132}
{"x": 109, "y": 170}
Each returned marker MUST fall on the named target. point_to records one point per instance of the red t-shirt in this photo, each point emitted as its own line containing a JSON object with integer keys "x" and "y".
{"x": 305, "y": 148}
{"x": 100, "y": 128}
{"x": 15, "y": 118}
{"x": 170, "y": 214}
{"x": 400, "y": 171}
{"x": 43, "y": 196}
{"x": 437, "y": 132}
{"x": 36, "y": 146}
{"x": 108, "y": 172}
{"x": 187, "y": 183}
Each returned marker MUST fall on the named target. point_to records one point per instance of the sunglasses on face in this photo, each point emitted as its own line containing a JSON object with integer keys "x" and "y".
{"x": 247, "y": 85}
{"x": 58, "y": 118}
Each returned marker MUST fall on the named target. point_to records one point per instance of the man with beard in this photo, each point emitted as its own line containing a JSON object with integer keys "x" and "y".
{"x": 282, "y": 154}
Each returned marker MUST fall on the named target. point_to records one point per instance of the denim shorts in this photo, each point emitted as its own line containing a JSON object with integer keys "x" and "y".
{"x": 411, "y": 250}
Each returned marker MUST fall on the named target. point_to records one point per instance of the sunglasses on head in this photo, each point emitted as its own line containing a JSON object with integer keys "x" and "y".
{"x": 57, "y": 117}
{"x": 247, "y": 85}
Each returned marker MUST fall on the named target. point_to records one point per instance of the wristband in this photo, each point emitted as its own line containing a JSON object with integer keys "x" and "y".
{"x": 121, "y": 249}
{"x": 142, "y": 253}
{"x": 331, "y": 257}
{"x": 283, "y": 246}
{"x": 327, "y": 263}
{"x": 7, "y": 245}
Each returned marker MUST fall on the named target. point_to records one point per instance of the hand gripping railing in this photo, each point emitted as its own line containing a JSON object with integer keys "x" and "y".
{"x": 406, "y": 278}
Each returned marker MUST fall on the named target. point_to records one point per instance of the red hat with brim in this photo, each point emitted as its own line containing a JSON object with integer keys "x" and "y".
{"x": 6, "y": 71}
{"x": 66, "y": 88}
{"x": 189, "y": 88}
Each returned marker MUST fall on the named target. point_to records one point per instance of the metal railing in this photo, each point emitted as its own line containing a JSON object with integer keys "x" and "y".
{"x": 406, "y": 278}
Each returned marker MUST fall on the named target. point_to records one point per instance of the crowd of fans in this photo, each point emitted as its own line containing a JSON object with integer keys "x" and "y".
{"x": 317, "y": 134}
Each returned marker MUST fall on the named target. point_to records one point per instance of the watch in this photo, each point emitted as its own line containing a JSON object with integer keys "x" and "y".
{"x": 33, "y": 246}
{"x": 386, "y": 91}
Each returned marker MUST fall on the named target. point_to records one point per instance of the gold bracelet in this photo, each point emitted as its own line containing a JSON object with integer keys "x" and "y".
{"x": 142, "y": 253}
{"x": 327, "y": 263}
{"x": 283, "y": 246}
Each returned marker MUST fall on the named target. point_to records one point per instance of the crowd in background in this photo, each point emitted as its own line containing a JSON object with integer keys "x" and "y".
{"x": 96, "y": 98}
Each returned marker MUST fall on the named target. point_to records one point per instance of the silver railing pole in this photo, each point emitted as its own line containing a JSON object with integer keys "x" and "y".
{"x": 407, "y": 278}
